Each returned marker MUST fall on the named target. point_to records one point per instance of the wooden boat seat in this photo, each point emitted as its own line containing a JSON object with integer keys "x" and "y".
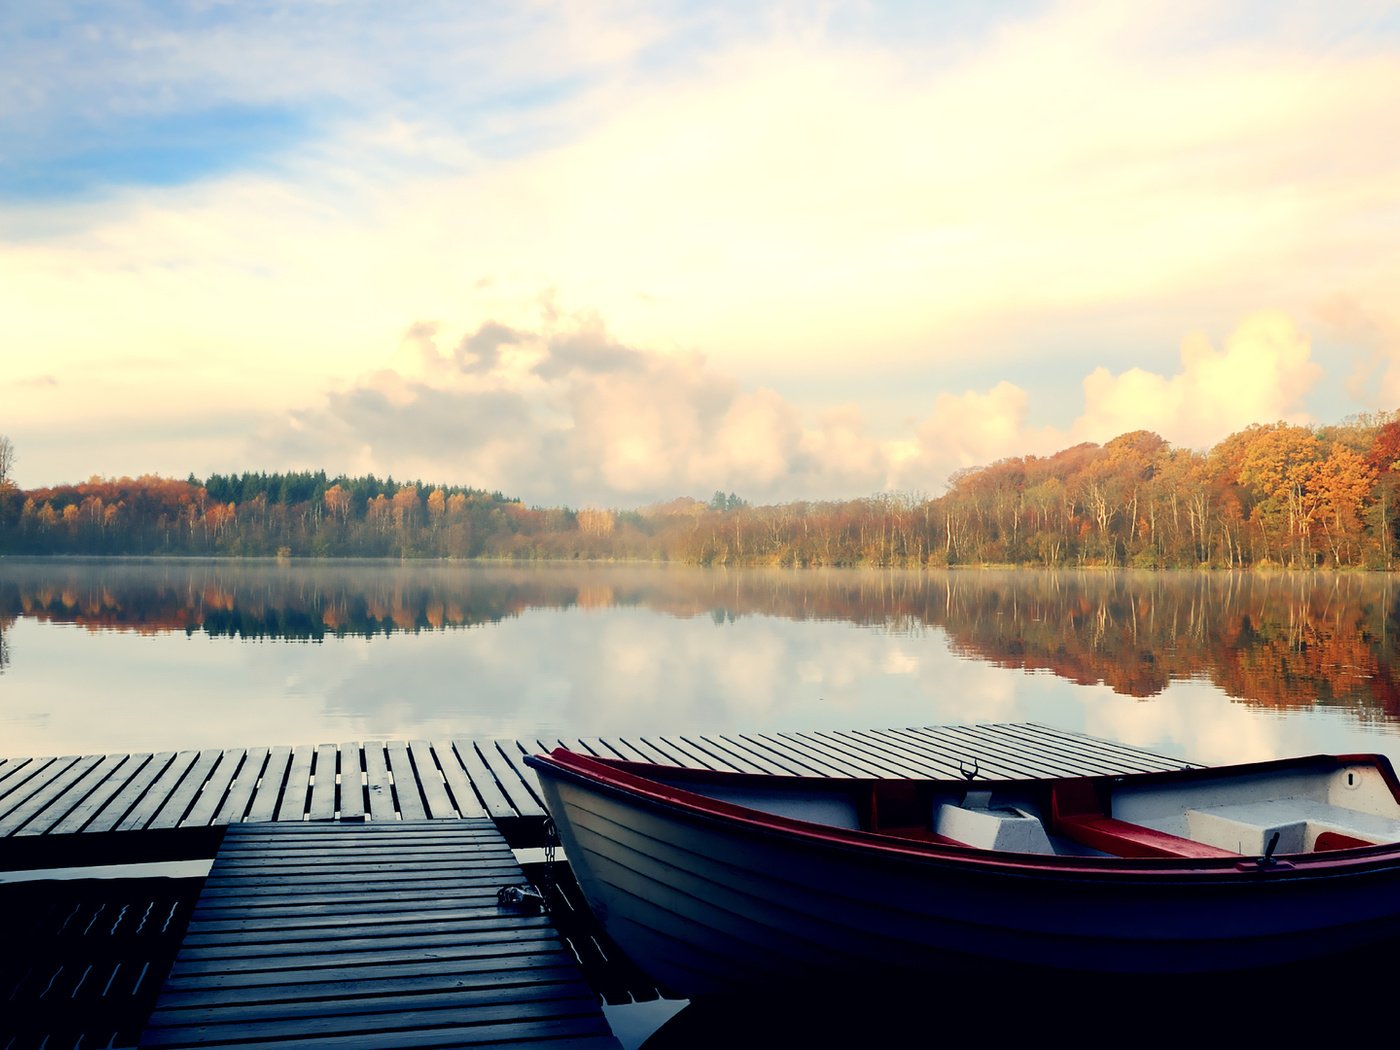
{"x": 1123, "y": 839}
{"x": 1077, "y": 814}
{"x": 1302, "y": 824}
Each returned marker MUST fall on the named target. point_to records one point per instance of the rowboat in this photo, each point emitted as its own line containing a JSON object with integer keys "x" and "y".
{"x": 718, "y": 883}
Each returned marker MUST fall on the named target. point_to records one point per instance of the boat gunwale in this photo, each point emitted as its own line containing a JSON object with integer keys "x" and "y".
{"x": 636, "y": 781}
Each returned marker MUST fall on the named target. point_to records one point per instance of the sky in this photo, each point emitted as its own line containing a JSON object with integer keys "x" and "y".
{"x": 608, "y": 254}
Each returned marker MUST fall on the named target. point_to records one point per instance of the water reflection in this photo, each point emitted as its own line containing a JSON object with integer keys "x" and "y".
{"x": 1282, "y": 641}
{"x": 1047, "y": 1008}
{"x": 109, "y": 655}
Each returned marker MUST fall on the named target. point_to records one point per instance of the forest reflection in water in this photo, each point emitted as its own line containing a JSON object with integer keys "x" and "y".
{"x": 589, "y": 648}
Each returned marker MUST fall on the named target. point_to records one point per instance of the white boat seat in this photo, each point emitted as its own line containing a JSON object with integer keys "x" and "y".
{"x": 1247, "y": 827}
{"x": 1010, "y": 830}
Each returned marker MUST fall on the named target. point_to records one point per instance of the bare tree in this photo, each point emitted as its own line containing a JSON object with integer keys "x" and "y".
{"x": 7, "y": 460}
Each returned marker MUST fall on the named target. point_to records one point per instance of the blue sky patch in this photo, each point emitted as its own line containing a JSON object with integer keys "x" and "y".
{"x": 82, "y": 160}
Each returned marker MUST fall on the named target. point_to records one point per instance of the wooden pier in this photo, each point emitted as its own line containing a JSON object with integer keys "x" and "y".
{"x": 464, "y": 778}
{"x": 380, "y": 936}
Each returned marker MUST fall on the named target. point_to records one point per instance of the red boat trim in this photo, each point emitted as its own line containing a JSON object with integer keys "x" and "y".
{"x": 629, "y": 779}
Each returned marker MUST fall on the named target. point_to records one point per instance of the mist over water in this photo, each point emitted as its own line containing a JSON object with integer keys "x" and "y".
{"x": 101, "y": 656}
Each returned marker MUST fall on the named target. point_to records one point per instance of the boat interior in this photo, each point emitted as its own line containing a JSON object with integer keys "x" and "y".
{"x": 1272, "y": 810}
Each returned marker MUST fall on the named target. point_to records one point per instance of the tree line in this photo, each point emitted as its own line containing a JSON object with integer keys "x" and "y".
{"x": 1270, "y": 495}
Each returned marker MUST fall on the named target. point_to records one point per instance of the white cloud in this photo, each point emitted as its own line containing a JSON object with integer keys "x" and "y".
{"x": 561, "y": 412}
{"x": 1374, "y": 329}
{"x": 1260, "y": 375}
{"x": 973, "y": 429}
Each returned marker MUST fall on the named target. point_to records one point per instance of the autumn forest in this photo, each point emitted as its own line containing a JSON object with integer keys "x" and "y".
{"x": 1277, "y": 495}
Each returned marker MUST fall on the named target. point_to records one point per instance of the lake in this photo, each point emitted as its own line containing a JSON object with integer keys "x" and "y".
{"x": 106, "y": 656}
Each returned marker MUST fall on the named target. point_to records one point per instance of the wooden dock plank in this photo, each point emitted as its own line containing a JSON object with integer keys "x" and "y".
{"x": 149, "y": 801}
{"x": 495, "y": 801}
{"x": 725, "y": 757}
{"x": 74, "y": 792}
{"x": 44, "y": 789}
{"x": 991, "y": 756}
{"x": 282, "y": 888}
{"x": 1120, "y": 757}
{"x": 429, "y": 896}
{"x": 430, "y": 778}
{"x": 837, "y": 753}
{"x": 323, "y": 784}
{"x": 296, "y": 864}
{"x": 933, "y": 762}
{"x": 743, "y": 745}
{"x": 743, "y": 758}
{"x": 1065, "y": 749}
{"x": 962, "y": 757}
{"x": 540, "y": 944}
{"x": 204, "y": 961}
{"x": 341, "y": 968}
{"x": 886, "y": 761}
{"x": 50, "y": 793}
{"x": 424, "y": 992}
{"x": 352, "y": 783}
{"x": 520, "y": 792}
{"x": 691, "y": 755}
{"x": 182, "y": 798}
{"x": 239, "y": 796}
{"x": 671, "y": 754}
{"x": 297, "y": 791}
{"x": 1057, "y": 760}
{"x": 644, "y": 750}
{"x": 807, "y": 763}
{"x": 130, "y": 794}
{"x": 211, "y": 796}
{"x": 974, "y": 752}
{"x": 375, "y": 1017}
{"x": 458, "y": 783}
{"x": 616, "y": 747}
{"x": 402, "y": 979}
{"x": 118, "y": 775}
{"x": 408, "y": 791}
{"x": 378, "y": 787}
{"x": 268, "y": 791}
{"x": 46, "y": 771}
{"x": 16, "y": 771}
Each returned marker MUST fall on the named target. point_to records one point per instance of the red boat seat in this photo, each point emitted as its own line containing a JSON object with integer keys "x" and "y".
{"x": 1122, "y": 839}
{"x": 1077, "y": 813}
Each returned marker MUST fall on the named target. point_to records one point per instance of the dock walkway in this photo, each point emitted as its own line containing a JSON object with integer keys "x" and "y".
{"x": 376, "y": 936}
{"x": 453, "y": 779}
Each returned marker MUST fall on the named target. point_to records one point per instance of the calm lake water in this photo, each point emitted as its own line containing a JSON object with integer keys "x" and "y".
{"x": 153, "y": 655}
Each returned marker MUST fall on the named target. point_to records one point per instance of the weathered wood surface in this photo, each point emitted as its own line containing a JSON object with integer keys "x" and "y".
{"x": 451, "y": 779}
{"x": 376, "y": 935}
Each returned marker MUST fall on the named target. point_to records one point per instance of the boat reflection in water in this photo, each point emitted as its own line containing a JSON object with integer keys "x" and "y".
{"x": 1350, "y": 997}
